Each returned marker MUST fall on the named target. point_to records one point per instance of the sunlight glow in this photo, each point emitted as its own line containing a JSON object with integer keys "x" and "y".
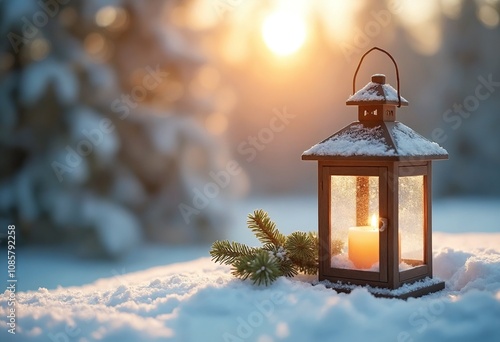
{"x": 338, "y": 17}
{"x": 488, "y": 16}
{"x": 284, "y": 32}
{"x": 421, "y": 20}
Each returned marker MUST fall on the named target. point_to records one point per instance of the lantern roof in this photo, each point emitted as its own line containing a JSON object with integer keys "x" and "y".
{"x": 376, "y": 92}
{"x": 379, "y": 140}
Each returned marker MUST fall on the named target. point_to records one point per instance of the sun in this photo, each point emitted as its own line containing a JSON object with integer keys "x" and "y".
{"x": 284, "y": 32}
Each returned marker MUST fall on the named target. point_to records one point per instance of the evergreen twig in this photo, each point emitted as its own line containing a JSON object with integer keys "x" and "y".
{"x": 226, "y": 252}
{"x": 303, "y": 251}
{"x": 280, "y": 255}
{"x": 265, "y": 229}
{"x": 262, "y": 268}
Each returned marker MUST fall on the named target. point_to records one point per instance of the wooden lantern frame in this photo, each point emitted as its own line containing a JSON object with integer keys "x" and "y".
{"x": 388, "y": 173}
{"x": 378, "y": 115}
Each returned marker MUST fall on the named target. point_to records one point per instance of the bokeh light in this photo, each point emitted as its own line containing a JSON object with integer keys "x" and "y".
{"x": 112, "y": 18}
{"x": 106, "y": 16}
{"x": 488, "y": 16}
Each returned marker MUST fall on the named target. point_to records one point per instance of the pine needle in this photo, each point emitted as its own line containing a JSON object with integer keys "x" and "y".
{"x": 261, "y": 268}
{"x": 226, "y": 252}
{"x": 265, "y": 229}
{"x": 302, "y": 249}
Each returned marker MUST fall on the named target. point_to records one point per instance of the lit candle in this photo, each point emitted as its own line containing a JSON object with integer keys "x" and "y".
{"x": 363, "y": 244}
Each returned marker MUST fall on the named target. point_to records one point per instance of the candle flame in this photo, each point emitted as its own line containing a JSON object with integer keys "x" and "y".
{"x": 374, "y": 221}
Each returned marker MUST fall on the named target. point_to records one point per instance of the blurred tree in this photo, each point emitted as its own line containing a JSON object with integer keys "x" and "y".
{"x": 469, "y": 122}
{"x": 100, "y": 124}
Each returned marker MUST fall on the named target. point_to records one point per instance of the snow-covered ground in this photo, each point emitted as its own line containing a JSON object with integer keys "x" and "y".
{"x": 161, "y": 293}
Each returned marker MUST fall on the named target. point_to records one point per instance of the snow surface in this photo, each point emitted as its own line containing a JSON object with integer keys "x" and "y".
{"x": 369, "y": 93}
{"x": 405, "y": 289}
{"x": 201, "y": 301}
{"x": 410, "y": 143}
{"x": 359, "y": 140}
{"x": 356, "y": 141}
{"x": 196, "y": 300}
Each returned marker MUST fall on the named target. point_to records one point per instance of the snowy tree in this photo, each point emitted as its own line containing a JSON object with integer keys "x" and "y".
{"x": 101, "y": 125}
{"x": 469, "y": 122}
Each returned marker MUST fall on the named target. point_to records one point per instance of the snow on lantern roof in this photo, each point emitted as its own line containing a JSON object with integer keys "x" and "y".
{"x": 376, "y": 92}
{"x": 385, "y": 140}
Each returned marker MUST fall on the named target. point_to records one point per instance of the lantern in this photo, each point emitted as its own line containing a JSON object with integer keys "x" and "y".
{"x": 374, "y": 197}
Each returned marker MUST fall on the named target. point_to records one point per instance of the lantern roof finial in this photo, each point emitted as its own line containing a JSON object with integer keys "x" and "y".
{"x": 378, "y": 78}
{"x": 376, "y": 92}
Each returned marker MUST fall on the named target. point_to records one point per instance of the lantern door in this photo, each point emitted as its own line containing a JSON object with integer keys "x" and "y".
{"x": 414, "y": 223}
{"x": 353, "y": 231}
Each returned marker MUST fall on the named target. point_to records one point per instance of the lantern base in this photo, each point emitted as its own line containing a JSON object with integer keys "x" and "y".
{"x": 417, "y": 289}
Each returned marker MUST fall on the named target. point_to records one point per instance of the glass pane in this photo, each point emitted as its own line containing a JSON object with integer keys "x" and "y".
{"x": 411, "y": 221}
{"x": 354, "y": 222}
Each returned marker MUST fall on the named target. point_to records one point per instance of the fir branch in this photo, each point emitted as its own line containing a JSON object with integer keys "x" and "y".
{"x": 265, "y": 229}
{"x": 226, "y": 252}
{"x": 300, "y": 246}
{"x": 286, "y": 266}
{"x": 314, "y": 237}
{"x": 242, "y": 267}
{"x": 279, "y": 255}
{"x": 311, "y": 266}
{"x": 262, "y": 268}
{"x": 302, "y": 249}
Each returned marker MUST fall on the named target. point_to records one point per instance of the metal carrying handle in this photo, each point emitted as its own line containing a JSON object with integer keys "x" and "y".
{"x": 361, "y": 61}
{"x": 382, "y": 220}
